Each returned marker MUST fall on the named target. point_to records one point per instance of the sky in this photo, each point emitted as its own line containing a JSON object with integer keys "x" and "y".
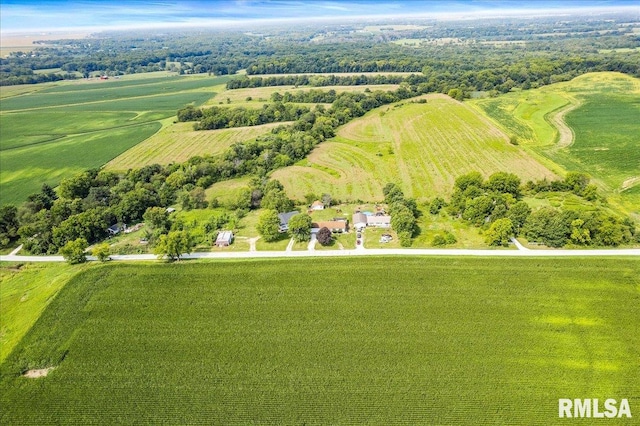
{"x": 95, "y": 15}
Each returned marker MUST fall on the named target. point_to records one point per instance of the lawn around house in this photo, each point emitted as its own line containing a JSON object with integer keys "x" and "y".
{"x": 383, "y": 340}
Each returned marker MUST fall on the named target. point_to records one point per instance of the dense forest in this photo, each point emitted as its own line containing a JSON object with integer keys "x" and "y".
{"x": 473, "y": 55}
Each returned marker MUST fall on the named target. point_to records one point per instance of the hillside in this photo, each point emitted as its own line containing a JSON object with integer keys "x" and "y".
{"x": 587, "y": 124}
{"x": 422, "y": 146}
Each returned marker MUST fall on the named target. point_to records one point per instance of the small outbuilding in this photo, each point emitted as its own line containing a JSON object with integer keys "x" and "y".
{"x": 317, "y": 205}
{"x": 116, "y": 228}
{"x": 224, "y": 239}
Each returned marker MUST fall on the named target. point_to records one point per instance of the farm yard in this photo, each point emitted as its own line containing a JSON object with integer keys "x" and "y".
{"x": 421, "y": 340}
{"x": 423, "y": 146}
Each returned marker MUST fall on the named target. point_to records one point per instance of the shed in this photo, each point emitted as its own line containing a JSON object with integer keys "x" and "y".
{"x": 317, "y": 205}
{"x": 224, "y": 238}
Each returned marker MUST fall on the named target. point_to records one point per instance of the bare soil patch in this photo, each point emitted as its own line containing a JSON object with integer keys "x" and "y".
{"x": 37, "y": 373}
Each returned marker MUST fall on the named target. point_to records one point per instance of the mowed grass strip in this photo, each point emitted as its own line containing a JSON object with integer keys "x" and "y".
{"x": 374, "y": 340}
{"x": 178, "y": 142}
{"x": 423, "y": 147}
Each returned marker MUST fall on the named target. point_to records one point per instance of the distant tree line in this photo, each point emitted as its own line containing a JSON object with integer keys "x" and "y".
{"x": 469, "y": 65}
{"x": 316, "y": 80}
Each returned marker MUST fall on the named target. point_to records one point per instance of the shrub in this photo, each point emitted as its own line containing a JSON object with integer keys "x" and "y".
{"x": 73, "y": 251}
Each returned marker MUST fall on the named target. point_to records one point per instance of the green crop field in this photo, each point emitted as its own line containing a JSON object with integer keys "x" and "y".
{"x": 602, "y": 111}
{"x": 423, "y": 147}
{"x": 178, "y": 142}
{"x": 330, "y": 341}
{"x": 55, "y": 130}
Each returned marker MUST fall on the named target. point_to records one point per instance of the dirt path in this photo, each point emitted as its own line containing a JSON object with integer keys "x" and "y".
{"x": 252, "y": 243}
{"x": 565, "y": 133}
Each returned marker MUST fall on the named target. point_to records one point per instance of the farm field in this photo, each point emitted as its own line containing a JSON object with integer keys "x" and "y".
{"x": 423, "y": 147}
{"x": 178, "y": 142}
{"x": 58, "y": 129}
{"x": 415, "y": 341}
{"x": 602, "y": 111}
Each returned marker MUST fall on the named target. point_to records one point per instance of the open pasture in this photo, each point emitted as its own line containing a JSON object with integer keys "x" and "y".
{"x": 178, "y": 142}
{"x": 423, "y": 147}
{"x": 375, "y": 340}
{"x": 58, "y": 129}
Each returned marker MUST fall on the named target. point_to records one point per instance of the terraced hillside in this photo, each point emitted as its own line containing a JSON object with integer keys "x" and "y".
{"x": 422, "y": 146}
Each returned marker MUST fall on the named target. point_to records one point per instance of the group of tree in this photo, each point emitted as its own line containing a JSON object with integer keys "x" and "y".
{"x": 317, "y": 80}
{"x": 496, "y": 206}
{"x": 404, "y": 213}
{"x": 221, "y": 118}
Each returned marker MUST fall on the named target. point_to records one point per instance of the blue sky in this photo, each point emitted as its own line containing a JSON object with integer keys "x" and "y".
{"x": 49, "y": 15}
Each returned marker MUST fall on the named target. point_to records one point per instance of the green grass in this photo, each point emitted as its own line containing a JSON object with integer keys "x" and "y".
{"x": 25, "y": 169}
{"x": 55, "y": 130}
{"x": 25, "y": 291}
{"x": 331, "y": 341}
{"x": 422, "y": 147}
{"x": 604, "y": 124}
{"x": 607, "y": 142}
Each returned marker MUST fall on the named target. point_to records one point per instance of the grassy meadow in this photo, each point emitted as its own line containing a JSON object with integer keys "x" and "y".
{"x": 25, "y": 291}
{"x": 330, "y": 341}
{"x": 51, "y": 131}
{"x": 423, "y": 147}
{"x": 603, "y": 115}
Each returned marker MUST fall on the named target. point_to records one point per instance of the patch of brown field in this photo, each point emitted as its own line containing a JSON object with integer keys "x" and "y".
{"x": 24, "y": 42}
{"x": 35, "y": 374}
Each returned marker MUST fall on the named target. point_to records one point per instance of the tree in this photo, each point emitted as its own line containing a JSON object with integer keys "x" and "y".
{"x": 468, "y": 180}
{"x": 324, "y": 236}
{"x": 436, "y": 205}
{"x": 392, "y": 193}
{"x": 276, "y": 199}
{"x": 101, "y": 251}
{"x": 8, "y": 224}
{"x": 326, "y": 200}
{"x": 174, "y": 244}
{"x": 403, "y": 220}
{"x": 269, "y": 225}
{"x": 577, "y": 182}
{"x": 300, "y": 227}
{"x": 504, "y": 183}
{"x": 157, "y": 218}
{"x": 499, "y": 232}
{"x": 74, "y": 251}
{"x": 518, "y": 214}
